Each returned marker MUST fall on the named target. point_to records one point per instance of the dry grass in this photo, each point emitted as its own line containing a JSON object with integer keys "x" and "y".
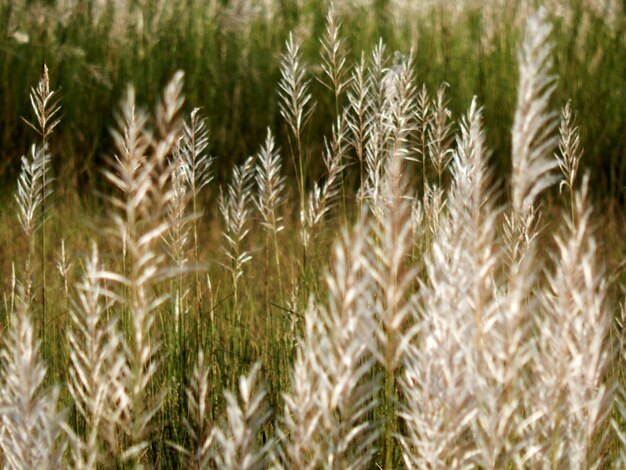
{"x": 454, "y": 326}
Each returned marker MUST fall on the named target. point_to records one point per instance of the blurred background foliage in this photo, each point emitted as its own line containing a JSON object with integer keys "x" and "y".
{"x": 229, "y": 50}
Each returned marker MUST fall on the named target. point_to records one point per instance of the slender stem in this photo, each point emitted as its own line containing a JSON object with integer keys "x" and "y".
{"x": 278, "y": 271}
{"x": 572, "y": 204}
{"x": 43, "y": 243}
{"x": 302, "y": 194}
{"x": 197, "y": 300}
{"x": 389, "y": 419}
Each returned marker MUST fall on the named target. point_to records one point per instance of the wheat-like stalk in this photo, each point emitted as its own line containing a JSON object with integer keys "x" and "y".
{"x": 400, "y": 106}
{"x": 98, "y": 368}
{"x": 192, "y": 152}
{"x": 295, "y": 99}
{"x": 64, "y": 267}
{"x": 440, "y": 133}
{"x": 195, "y": 165}
{"x": 423, "y": 123}
{"x": 570, "y": 153}
{"x": 234, "y": 206}
{"x": 376, "y": 131}
{"x": 198, "y": 429}
{"x": 30, "y": 189}
{"x": 143, "y": 173}
{"x": 178, "y": 235}
{"x": 296, "y": 104}
{"x": 271, "y": 185}
{"x": 270, "y": 196}
{"x": 190, "y": 172}
{"x": 334, "y": 57}
{"x": 45, "y": 105}
{"x": 359, "y": 114}
{"x": 236, "y": 440}
{"x": 33, "y": 188}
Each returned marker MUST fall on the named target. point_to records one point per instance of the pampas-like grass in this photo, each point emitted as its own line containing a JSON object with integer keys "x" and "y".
{"x": 437, "y": 341}
{"x": 439, "y": 401}
{"x": 296, "y": 105}
{"x": 234, "y": 206}
{"x": 323, "y": 197}
{"x": 534, "y": 124}
{"x": 32, "y": 189}
{"x": 325, "y": 422}
{"x": 98, "y": 368}
{"x": 359, "y": 114}
{"x": 198, "y": 429}
{"x": 439, "y": 133}
{"x": 236, "y": 440}
{"x": 334, "y": 57}
{"x": 573, "y": 355}
{"x": 30, "y": 433}
{"x": 142, "y": 171}
{"x": 271, "y": 185}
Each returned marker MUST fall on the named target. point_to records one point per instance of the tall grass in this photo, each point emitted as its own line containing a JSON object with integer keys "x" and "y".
{"x": 358, "y": 292}
{"x": 229, "y": 51}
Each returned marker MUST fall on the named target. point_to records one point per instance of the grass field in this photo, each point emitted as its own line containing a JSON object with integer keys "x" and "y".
{"x": 295, "y": 234}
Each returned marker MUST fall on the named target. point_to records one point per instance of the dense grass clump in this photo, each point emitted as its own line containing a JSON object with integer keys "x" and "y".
{"x": 390, "y": 259}
{"x": 230, "y": 51}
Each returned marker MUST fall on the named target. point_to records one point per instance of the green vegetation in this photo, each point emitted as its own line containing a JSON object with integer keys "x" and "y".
{"x": 229, "y": 52}
{"x": 300, "y": 235}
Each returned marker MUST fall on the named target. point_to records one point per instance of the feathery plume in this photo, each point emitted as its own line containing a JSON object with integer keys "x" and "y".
{"x": 31, "y": 425}
{"x": 196, "y": 162}
{"x": 32, "y": 189}
{"x": 534, "y": 124}
{"x": 295, "y": 99}
{"x": 439, "y": 404}
{"x": 334, "y": 54}
{"x": 440, "y": 133}
{"x": 573, "y": 356}
{"x": 359, "y": 113}
{"x": 143, "y": 172}
{"x": 325, "y": 422}
{"x": 271, "y": 185}
{"x": 569, "y": 147}
{"x": 235, "y": 440}
{"x": 295, "y": 105}
{"x": 235, "y": 209}
{"x": 45, "y": 105}
{"x": 198, "y": 429}
{"x": 98, "y": 368}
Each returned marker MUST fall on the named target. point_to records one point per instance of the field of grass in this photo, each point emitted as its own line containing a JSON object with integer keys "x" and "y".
{"x": 296, "y": 234}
